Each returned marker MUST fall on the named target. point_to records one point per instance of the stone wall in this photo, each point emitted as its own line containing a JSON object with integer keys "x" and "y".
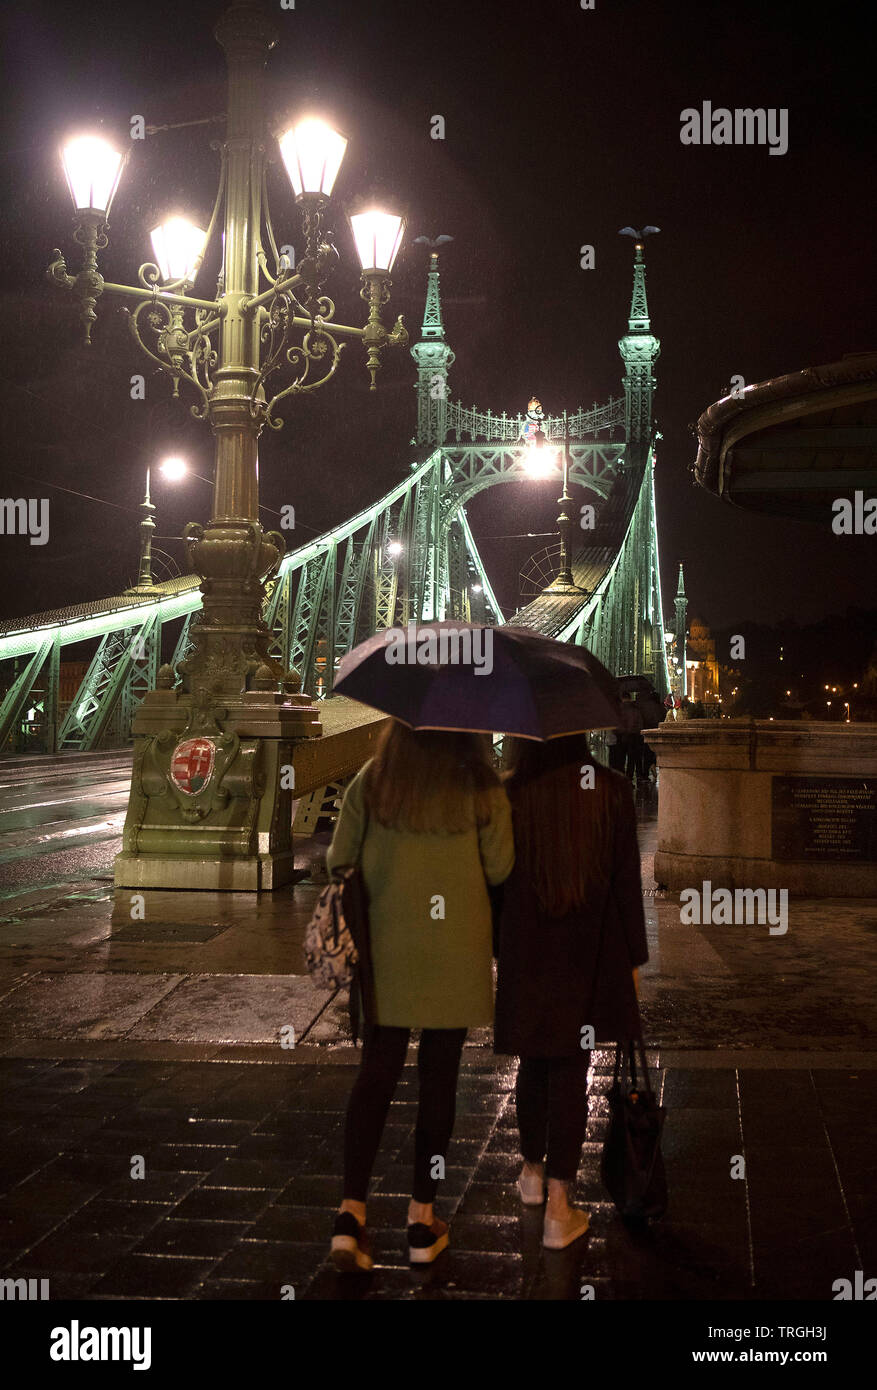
{"x": 767, "y": 803}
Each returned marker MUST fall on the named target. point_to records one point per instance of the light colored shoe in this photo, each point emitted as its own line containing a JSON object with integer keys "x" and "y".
{"x": 558, "y": 1235}
{"x": 425, "y": 1243}
{"x": 532, "y": 1188}
{"x": 351, "y": 1247}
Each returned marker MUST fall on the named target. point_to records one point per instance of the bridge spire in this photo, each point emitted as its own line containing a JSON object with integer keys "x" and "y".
{"x": 681, "y": 605}
{"x": 433, "y": 357}
{"x": 639, "y": 348}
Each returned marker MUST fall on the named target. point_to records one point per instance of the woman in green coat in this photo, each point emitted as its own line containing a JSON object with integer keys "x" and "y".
{"x": 430, "y": 825}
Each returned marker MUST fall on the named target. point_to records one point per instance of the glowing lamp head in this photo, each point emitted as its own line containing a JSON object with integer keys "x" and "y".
{"x": 174, "y": 469}
{"x": 178, "y": 246}
{"x": 92, "y": 169}
{"x": 378, "y": 236}
{"x": 312, "y": 152}
{"x": 394, "y": 548}
{"x": 539, "y": 463}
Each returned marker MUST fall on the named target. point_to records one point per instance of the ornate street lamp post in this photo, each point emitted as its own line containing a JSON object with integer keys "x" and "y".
{"x": 564, "y": 581}
{"x": 145, "y": 583}
{"x": 212, "y": 785}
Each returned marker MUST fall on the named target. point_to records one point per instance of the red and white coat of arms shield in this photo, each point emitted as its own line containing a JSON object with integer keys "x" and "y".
{"x": 192, "y": 764}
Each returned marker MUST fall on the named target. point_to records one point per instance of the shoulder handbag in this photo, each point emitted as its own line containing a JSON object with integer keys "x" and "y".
{"x": 337, "y": 950}
{"x": 632, "y": 1165}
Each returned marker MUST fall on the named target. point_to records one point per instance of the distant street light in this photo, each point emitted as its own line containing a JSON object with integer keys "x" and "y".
{"x": 564, "y": 582}
{"x": 539, "y": 465}
{"x": 174, "y": 469}
{"x": 542, "y": 461}
{"x": 145, "y": 583}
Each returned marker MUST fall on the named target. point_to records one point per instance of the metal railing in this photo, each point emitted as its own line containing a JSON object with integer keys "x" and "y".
{"x": 484, "y": 424}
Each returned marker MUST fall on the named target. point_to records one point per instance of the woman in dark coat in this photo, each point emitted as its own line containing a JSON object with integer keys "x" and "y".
{"x": 572, "y": 932}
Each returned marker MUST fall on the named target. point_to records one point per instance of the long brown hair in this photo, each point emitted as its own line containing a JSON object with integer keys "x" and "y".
{"x": 563, "y": 829}
{"x": 430, "y": 781}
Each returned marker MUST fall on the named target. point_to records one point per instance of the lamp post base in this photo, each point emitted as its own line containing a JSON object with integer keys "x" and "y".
{"x": 212, "y": 790}
{"x": 231, "y": 874}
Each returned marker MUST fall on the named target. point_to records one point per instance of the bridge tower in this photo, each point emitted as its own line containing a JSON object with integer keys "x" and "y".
{"x": 626, "y": 628}
{"x": 433, "y": 357}
{"x": 639, "y": 348}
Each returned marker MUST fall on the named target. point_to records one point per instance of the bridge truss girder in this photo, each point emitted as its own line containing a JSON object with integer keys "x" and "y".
{"x": 622, "y": 623}
{"x": 474, "y": 467}
{"x": 332, "y": 592}
{"x": 19, "y": 692}
{"x": 122, "y": 669}
{"x": 412, "y": 557}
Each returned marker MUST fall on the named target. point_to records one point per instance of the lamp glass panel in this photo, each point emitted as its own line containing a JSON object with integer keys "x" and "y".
{"x": 378, "y": 236}
{"x": 92, "y": 168}
{"x": 178, "y": 245}
{"x": 312, "y": 153}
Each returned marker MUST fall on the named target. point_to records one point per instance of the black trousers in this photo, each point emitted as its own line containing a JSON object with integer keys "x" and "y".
{"x": 618, "y": 754}
{"x": 634, "y": 761}
{"x": 383, "y": 1057}
{"x": 552, "y": 1099}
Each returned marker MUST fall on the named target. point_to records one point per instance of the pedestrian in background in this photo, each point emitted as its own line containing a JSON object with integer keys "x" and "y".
{"x": 634, "y": 743}
{"x": 572, "y": 930}
{"x": 429, "y": 823}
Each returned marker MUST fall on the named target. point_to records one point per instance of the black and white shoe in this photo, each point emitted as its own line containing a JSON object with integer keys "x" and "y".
{"x": 351, "y": 1247}
{"x": 426, "y": 1242}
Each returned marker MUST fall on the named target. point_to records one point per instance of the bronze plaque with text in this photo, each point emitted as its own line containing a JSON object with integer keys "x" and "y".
{"x": 824, "y": 818}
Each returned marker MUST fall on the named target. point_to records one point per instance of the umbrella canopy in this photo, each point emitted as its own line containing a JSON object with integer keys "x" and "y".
{"x": 638, "y": 685}
{"x": 465, "y": 676}
{"x": 646, "y": 698}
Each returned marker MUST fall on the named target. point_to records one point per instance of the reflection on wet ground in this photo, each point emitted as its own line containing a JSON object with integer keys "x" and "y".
{"x": 159, "y": 1034}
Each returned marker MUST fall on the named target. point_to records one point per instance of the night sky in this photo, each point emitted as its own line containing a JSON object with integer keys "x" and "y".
{"x": 562, "y": 125}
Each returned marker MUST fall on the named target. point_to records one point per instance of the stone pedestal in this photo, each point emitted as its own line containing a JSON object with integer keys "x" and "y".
{"x": 233, "y": 832}
{"x": 767, "y": 803}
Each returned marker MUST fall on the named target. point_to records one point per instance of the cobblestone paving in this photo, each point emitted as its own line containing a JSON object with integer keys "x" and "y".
{"x": 158, "y": 1035}
{"x": 243, "y": 1175}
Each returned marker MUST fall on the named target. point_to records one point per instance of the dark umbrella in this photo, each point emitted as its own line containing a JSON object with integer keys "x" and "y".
{"x": 464, "y": 676}
{"x": 648, "y": 701}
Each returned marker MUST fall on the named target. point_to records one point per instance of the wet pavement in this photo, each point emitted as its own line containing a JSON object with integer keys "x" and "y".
{"x": 242, "y": 1175}
{"x": 157, "y": 1030}
{"x": 61, "y": 820}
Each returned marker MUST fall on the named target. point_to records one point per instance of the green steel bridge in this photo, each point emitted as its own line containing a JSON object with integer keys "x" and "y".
{"x": 329, "y": 594}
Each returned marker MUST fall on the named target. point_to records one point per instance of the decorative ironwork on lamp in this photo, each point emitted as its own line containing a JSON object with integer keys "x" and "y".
{"x": 183, "y": 347}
